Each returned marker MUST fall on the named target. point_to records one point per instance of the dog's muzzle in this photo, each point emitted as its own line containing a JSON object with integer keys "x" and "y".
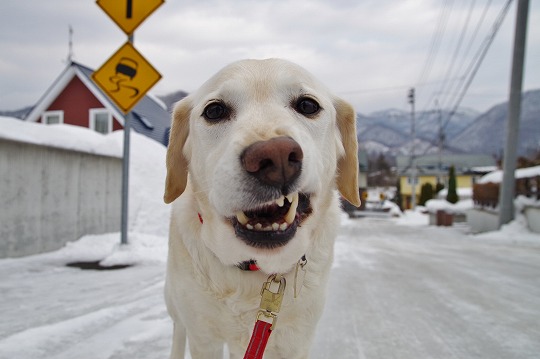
{"x": 276, "y": 165}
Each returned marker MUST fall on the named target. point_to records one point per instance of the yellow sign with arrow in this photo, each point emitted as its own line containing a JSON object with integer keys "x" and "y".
{"x": 129, "y": 14}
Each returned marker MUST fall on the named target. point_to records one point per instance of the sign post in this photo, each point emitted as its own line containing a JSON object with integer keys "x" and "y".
{"x": 126, "y": 77}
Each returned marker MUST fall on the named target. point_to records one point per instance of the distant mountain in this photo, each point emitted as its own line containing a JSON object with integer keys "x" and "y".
{"x": 172, "y": 98}
{"x": 391, "y": 130}
{"x": 487, "y": 133}
{"x": 17, "y": 113}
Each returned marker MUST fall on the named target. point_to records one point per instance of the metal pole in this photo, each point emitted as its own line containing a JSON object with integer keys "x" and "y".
{"x": 507, "y": 190}
{"x": 413, "y": 150}
{"x": 125, "y": 175}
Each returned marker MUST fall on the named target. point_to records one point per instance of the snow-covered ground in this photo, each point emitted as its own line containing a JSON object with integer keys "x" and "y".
{"x": 399, "y": 289}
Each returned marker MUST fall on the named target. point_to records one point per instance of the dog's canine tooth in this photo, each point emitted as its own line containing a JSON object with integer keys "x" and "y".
{"x": 291, "y": 214}
{"x": 291, "y": 196}
{"x": 280, "y": 201}
{"x": 242, "y": 218}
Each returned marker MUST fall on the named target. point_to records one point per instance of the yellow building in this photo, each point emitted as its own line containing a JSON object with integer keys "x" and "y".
{"x": 434, "y": 168}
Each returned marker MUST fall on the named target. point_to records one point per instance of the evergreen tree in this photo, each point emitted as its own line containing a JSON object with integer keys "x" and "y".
{"x": 426, "y": 193}
{"x": 452, "y": 195}
{"x": 439, "y": 187}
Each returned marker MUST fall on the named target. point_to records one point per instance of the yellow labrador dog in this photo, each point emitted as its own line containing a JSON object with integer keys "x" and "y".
{"x": 253, "y": 164}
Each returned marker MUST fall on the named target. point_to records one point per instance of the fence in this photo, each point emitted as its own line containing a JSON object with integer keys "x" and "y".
{"x": 50, "y": 196}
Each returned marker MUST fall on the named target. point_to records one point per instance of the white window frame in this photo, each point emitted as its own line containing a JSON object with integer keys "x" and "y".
{"x": 58, "y": 113}
{"x": 92, "y": 118}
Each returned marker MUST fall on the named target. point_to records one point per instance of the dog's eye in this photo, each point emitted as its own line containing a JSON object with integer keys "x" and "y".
{"x": 307, "y": 106}
{"x": 215, "y": 111}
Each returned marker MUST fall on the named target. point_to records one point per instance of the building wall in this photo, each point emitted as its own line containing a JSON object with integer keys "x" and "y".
{"x": 76, "y": 101}
{"x": 462, "y": 181}
{"x": 51, "y": 196}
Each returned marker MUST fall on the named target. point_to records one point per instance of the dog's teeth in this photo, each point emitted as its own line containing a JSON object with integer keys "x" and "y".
{"x": 291, "y": 214}
{"x": 258, "y": 226}
{"x": 280, "y": 201}
{"x": 249, "y": 226}
{"x": 267, "y": 228}
{"x": 275, "y": 226}
{"x": 242, "y": 218}
{"x": 283, "y": 226}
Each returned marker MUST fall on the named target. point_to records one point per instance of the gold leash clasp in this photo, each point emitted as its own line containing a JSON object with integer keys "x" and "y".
{"x": 272, "y": 298}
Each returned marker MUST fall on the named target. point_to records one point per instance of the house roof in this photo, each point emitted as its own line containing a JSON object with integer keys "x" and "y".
{"x": 150, "y": 115}
{"x": 435, "y": 164}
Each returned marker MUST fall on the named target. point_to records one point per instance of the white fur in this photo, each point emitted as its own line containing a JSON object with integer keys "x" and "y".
{"x": 209, "y": 298}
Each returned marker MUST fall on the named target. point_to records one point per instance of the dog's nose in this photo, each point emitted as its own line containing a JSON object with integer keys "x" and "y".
{"x": 276, "y": 162}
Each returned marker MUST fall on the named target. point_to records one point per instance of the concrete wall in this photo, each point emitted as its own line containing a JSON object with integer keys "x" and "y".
{"x": 50, "y": 196}
{"x": 481, "y": 220}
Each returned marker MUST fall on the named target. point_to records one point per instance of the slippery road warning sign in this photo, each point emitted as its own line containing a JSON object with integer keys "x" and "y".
{"x": 126, "y": 77}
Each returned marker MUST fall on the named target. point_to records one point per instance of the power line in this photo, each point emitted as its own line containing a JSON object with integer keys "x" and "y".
{"x": 455, "y": 90}
{"x": 475, "y": 65}
{"x": 464, "y": 28}
{"x": 436, "y": 40}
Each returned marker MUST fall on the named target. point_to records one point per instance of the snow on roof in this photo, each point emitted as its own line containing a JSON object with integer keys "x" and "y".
{"x": 60, "y": 136}
{"x": 496, "y": 176}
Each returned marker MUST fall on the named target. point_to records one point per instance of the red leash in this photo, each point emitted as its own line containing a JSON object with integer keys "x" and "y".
{"x": 259, "y": 338}
{"x": 269, "y": 307}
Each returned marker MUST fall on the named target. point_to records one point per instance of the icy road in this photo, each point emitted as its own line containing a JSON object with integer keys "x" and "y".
{"x": 396, "y": 291}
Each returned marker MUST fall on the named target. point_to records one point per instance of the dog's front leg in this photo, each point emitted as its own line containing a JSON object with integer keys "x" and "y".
{"x": 179, "y": 341}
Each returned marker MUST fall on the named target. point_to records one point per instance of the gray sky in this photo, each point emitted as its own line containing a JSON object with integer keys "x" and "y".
{"x": 367, "y": 51}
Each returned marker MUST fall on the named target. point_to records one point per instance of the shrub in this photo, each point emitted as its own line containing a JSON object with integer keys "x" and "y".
{"x": 426, "y": 193}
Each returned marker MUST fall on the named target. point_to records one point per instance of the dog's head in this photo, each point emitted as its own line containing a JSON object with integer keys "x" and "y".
{"x": 263, "y": 144}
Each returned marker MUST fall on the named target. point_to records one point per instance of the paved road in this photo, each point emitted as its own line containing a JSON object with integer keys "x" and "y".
{"x": 426, "y": 292}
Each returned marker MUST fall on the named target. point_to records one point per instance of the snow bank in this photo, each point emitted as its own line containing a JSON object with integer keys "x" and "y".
{"x": 107, "y": 250}
{"x": 496, "y": 176}
{"x": 461, "y": 207}
{"x": 60, "y": 136}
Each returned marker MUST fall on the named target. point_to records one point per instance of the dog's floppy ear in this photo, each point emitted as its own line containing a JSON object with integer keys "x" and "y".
{"x": 177, "y": 163}
{"x": 347, "y": 180}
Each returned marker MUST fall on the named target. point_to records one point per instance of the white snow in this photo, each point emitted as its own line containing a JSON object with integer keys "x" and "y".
{"x": 399, "y": 288}
{"x": 496, "y": 176}
{"x": 61, "y": 136}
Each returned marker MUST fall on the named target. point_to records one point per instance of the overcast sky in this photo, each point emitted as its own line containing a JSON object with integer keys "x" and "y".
{"x": 370, "y": 52}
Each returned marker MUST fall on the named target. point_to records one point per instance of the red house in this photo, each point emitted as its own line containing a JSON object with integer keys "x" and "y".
{"x": 75, "y": 99}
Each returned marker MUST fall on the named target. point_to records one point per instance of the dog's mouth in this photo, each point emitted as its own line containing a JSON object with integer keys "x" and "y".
{"x": 272, "y": 224}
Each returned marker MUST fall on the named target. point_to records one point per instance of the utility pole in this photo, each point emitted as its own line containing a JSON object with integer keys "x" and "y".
{"x": 441, "y": 142}
{"x": 413, "y": 155}
{"x": 507, "y": 190}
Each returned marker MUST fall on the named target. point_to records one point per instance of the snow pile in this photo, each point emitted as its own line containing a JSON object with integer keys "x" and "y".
{"x": 411, "y": 218}
{"x": 516, "y": 231}
{"x": 107, "y": 250}
{"x": 434, "y": 205}
{"x": 61, "y": 136}
{"x": 496, "y": 176}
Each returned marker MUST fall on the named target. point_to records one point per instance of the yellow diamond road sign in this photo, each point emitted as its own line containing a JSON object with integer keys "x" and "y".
{"x": 126, "y": 77}
{"x": 128, "y": 14}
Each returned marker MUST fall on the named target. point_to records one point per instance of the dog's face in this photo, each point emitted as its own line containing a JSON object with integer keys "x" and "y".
{"x": 264, "y": 144}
